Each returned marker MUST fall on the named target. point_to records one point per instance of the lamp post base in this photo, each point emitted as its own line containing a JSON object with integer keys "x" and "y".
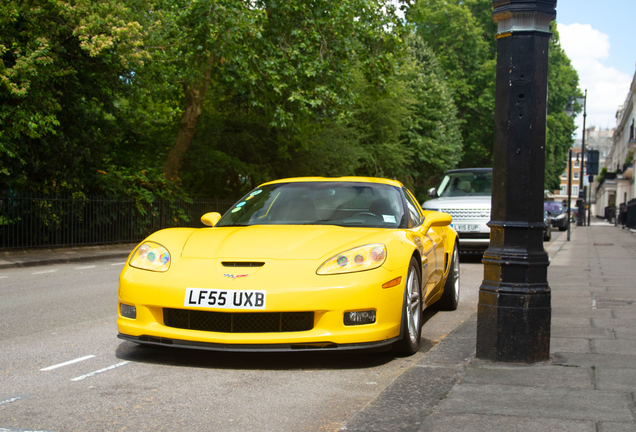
{"x": 513, "y": 327}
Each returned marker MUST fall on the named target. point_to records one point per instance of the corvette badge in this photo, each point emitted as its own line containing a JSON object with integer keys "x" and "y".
{"x": 234, "y": 277}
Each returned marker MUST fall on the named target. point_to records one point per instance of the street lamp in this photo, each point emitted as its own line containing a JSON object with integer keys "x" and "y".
{"x": 514, "y": 310}
{"x": 569, "y": 110}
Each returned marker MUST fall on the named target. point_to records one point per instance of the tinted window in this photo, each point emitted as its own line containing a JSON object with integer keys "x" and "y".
{"x": 553, "y": 207}
{"x": 412, "y": 206}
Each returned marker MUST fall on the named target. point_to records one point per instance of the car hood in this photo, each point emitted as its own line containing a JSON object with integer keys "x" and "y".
{"x": 292, "y": 242}
{"x": 459, "y": 202}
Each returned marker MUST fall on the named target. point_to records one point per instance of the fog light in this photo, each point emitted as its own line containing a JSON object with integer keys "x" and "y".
{"x": 128, "y": 311}
{"x": 359, "y": 318}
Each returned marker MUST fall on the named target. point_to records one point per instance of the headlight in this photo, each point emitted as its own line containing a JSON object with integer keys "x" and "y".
{"x": 561, "y": 216}
{"x": 151, "y": 256}
{"x": 354, "y": 260}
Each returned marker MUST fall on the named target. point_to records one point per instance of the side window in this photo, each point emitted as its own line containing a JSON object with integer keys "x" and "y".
{"x": 415, "y": 217}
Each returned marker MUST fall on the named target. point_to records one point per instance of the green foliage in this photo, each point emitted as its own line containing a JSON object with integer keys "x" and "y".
{"x": 461, "y": 36}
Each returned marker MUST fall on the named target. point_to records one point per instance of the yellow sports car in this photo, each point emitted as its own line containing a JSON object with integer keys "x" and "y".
{"x": 296, "y": 264}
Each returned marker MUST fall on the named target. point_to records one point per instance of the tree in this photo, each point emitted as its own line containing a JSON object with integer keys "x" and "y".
{"x": 292, "y": 59}
{"x": 62, "y": 66}
{"x": 457, "y": 33}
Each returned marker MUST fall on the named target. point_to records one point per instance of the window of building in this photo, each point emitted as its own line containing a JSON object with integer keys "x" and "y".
{"x": 564, "y": 190}
{"x": 564, "y": 175}
{"x": 577, "y": 164}
{"x": 575, "y": 175}
{"x": 575, "y": 190}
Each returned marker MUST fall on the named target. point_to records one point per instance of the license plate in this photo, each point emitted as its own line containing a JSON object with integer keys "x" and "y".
{"x": 466, "y": 227}
{"x": 224, "y": 299}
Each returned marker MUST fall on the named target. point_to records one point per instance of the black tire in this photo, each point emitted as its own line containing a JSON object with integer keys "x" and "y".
{"x": 450, "y": 297}
{"x": 547, "y": 236}
{"x": 563, "y": 228}
{"x": 411, "y": 328}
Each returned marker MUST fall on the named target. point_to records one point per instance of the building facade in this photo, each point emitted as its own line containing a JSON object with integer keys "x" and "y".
{"x": 615, "y": 184}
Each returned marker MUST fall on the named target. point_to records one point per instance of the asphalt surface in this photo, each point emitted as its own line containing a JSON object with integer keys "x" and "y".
{"x": 63, "y": 369}
{"x": 589, "y": 384}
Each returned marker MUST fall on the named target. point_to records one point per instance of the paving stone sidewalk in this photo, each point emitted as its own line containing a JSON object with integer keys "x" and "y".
{"x": 588, "y": 385}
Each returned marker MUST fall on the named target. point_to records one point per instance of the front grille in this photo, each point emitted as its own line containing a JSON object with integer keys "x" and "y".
{"x": 468, "y": 214}
{"x": 238, "y": 322}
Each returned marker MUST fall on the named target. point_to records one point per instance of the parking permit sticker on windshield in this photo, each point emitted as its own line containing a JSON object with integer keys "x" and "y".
{"x": 388, "y": 218}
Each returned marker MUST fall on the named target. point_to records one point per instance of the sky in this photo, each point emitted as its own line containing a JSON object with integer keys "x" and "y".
{"x": 599, "y": 37}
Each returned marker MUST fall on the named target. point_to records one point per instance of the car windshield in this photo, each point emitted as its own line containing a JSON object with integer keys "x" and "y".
{"x": 466, "y": 183}
{"x": 555, "y": 208}
{"x": 319, "y": 203}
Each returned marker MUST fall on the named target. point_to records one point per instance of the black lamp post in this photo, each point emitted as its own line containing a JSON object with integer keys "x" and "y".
{"x": 580, "y": 203}
{"x": 513, "y": 315}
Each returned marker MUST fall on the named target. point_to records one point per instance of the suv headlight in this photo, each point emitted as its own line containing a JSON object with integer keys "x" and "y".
{"x": 354, "y": 260}
{"x": 150, "y": 256}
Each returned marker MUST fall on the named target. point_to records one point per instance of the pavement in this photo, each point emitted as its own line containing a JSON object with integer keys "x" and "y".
{"x": 38, "y": 257}
{"x": 589, "y": 383}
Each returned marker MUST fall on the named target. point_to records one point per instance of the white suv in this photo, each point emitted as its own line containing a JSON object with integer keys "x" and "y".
{"x": 466, "y": 194}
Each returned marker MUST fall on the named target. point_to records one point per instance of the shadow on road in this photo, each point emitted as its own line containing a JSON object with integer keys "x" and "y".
{"x": 183, "y": 357}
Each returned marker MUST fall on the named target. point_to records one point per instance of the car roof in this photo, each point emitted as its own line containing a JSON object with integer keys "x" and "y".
{"x": 352, "y": 179}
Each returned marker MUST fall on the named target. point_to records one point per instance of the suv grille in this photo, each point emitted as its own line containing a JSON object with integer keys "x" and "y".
{"x": 239, "y": 322}
{"x": 468, "y": 214}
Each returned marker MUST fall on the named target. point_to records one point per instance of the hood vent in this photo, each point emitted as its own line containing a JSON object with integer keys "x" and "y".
{"x": 242, "y": 264}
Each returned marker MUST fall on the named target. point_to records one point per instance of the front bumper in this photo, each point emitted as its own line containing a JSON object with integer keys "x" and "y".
{"x": 328, "y": 297}
{"x": 317, "y": 346}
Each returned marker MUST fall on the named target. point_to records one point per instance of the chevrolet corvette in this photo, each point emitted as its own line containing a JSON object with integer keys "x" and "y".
{"x": 296, "y": 264}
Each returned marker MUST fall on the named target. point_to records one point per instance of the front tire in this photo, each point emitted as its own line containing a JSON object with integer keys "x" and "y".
{"x": 450, "y": 297}
{"x": 411, "y": 329}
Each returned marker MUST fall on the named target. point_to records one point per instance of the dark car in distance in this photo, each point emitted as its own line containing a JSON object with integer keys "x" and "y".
{"x": 558, "y": 214}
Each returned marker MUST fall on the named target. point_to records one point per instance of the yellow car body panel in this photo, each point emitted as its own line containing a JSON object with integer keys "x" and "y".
{"x": 286, "y": 259}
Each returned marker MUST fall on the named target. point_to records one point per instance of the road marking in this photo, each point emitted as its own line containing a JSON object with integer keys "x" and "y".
{"x": 66, "y": 363}
{"x": 13, "y": 399}
{"x": 88, "y": 375}
{"x": 118, "y": 264}
{"x": 84, "y": 268}
{"x": 21, "y": 430}
{"x": 45, "y": 271}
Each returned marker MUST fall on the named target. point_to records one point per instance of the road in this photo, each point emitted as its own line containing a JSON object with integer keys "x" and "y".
{"x": 63, "y": 369}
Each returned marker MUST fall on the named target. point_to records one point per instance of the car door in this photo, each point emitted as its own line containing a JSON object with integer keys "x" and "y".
{"x": 430, "y": 245}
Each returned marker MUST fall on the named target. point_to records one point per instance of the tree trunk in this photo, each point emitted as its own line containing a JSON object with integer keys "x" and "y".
{"x": 195, "y": 94}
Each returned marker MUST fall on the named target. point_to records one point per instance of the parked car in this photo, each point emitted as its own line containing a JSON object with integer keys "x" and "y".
{"x": 558, "y": 214}
{"x": 309, "y": 264}
{"x": 466, "y": 194}
{"x": 547, "y": 226}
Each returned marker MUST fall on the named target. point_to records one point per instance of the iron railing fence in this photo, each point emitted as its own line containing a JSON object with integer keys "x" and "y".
{"x": 630, "y": 215}
{"x": 33, "y": 220}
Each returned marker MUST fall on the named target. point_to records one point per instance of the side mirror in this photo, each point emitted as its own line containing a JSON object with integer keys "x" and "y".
{"x": 432, "y": 192}
{"x": 437, "y": 219}
{"x": 211, "y": 219}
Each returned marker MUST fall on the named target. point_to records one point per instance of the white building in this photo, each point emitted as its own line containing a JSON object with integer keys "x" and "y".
{"x": 617, "y": 186}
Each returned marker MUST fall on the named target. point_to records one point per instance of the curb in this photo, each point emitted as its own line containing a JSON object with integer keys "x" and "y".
{"x": 63, "y": 260}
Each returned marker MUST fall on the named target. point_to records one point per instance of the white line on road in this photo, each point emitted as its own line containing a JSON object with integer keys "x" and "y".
{"x": 45, "y": 271}
{"x": 121, "y": 263}
{"x": 67, "y": 363}
{"x": 88, "y": 375}
{"x": 84, "y": 268}
{"x": 13, "y": 399}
